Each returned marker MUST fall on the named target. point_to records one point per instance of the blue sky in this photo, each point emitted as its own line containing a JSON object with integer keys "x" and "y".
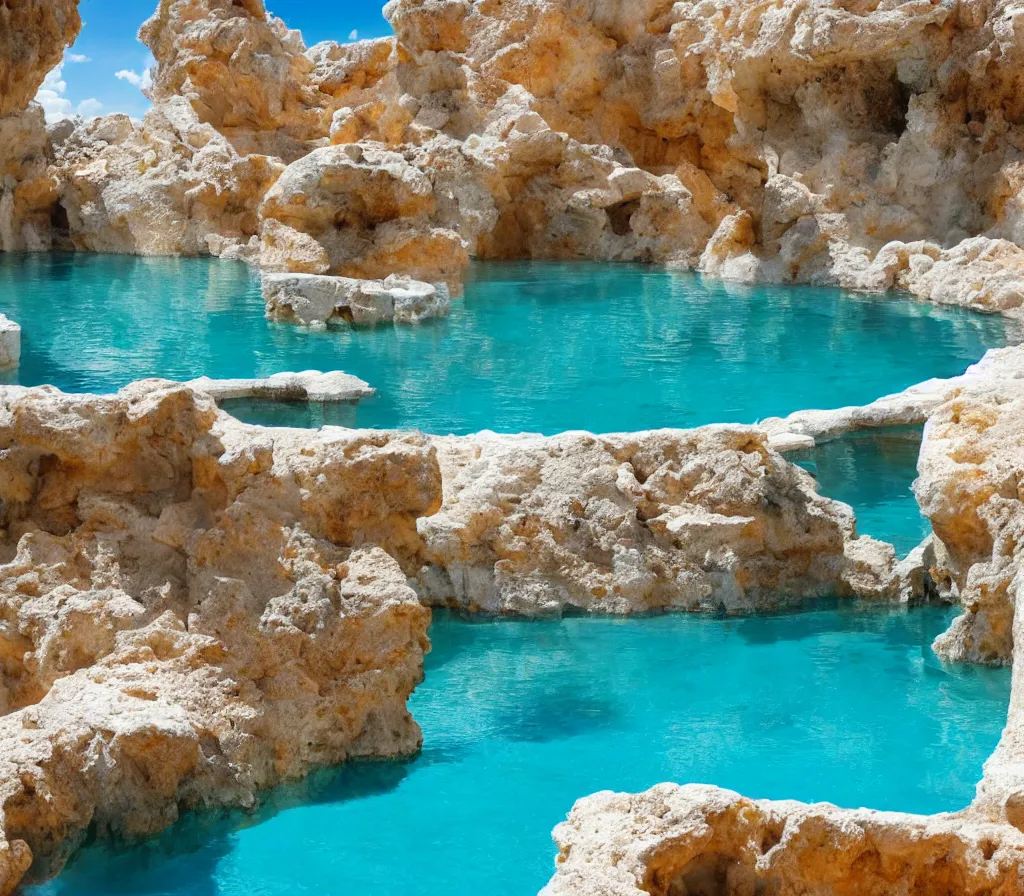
{"x": 88, "y": 84}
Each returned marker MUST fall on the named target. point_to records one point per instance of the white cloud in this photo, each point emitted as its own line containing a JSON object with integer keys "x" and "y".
{"x": 56, "y": 105}
{"x": 89, "y": 108}
{"x": 76, "y": 57}
{"x": 353, "y": 34}
{"x": 132, "y": 77}
{"x": 143, "y": 81}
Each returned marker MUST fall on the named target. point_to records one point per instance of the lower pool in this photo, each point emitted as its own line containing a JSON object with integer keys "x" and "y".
{"x": 533, "y": 346}
{"x": 844, "y": 703}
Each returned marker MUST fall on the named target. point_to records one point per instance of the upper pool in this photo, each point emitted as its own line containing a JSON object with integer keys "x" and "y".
{"x": 845, "y": 703}
{"x": 533, "y": 346}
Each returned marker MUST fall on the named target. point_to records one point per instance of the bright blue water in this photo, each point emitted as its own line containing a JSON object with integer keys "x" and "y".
{"x": 873, "y": 472}
{"x": 846, "y": 704}
{"x": 540, "y": 347}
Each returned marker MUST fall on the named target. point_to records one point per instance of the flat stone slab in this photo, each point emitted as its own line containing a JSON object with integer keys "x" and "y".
{"x": 309, "y": 385}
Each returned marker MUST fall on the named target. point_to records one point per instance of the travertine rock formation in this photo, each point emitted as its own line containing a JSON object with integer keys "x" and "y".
{"x": 704, "y": 519}
{"x": 33, "y": 35}
{"x": 316, "y": 301}
{"x": 698, "y": 841}
{"x": 241, "y": 70}
{"x": 357, "y": 212}
{"x": 866, "y": 145}
{"x": 27, "y": 189}
{"x": 970, "y": 486}
{"x": 167, "y": 185}
{"x": 192, "y": 610}
{"x": 688, "y": 840}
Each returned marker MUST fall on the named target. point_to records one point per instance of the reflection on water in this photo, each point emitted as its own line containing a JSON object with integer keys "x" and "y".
{"x": 846, "y": 704}
{"x": 873, "y": 473}
{"x": 535, "y": 346}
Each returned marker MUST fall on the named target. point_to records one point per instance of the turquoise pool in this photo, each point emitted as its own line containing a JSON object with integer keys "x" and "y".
{"x": 534, "y": 346}
{"x": 844, "y": 703}
{"x": 873, "y": 473}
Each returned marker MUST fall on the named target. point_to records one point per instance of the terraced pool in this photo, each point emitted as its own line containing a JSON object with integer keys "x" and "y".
{"x": 843, "y": 703}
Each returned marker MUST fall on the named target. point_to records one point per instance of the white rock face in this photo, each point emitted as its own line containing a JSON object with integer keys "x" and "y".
{"x": 193, "y": 610}
{"x": 309, "y": 385}
{"x": 10, "y": 343}
{"x": 314, "y": 300}
{"x": 708, "y": 519}
{"x": 702, "y": 840}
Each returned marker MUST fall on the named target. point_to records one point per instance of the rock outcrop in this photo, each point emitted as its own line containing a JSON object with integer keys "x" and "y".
{"x": 192, "y": 610}
{"x": 677, "y": 840}
{"x": 168, "y": 185}
{"x": 698, "y": 840}
{"x": 870, "y": 146}
{"x": 33, "y": 36}
{"x": 970, "y": 486}
{"x": 709, "y": 519}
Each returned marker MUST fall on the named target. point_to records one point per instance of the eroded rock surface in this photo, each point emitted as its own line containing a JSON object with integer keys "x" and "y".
{"x": 192, "y": 610}
{"x": 697, "y": 840}
{"x": 33, "y": 36}
{"x": 168, "y": 185}
{"x": 970, "y": 486}
{"x": 870, "y": 146}
{"x": 705, "y": 519}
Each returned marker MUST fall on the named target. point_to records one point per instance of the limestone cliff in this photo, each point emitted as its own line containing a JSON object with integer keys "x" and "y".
{"x": 867, "y": 145}
{"x": 192, "y": 610}
{"x": 33, "y": 36}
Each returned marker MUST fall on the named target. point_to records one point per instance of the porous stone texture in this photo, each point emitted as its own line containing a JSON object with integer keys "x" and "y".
{"x": 359, "y": 212}
{"x": 168, "y": 185}
{"x": 316, "y": 301}
{"x": 970, "y": 485}
{"x": 192, "y": 610}
{"x": 698, "y": 840}
{"x": 241, "y": 70}
{"x": 865, "y": 145}
{"x": 708, "y": 519}
{"x": 33, "y": 36}
{"x": 676, "y": 840}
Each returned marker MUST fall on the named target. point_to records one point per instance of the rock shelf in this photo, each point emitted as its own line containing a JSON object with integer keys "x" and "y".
{"x": 310, "y": 385}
